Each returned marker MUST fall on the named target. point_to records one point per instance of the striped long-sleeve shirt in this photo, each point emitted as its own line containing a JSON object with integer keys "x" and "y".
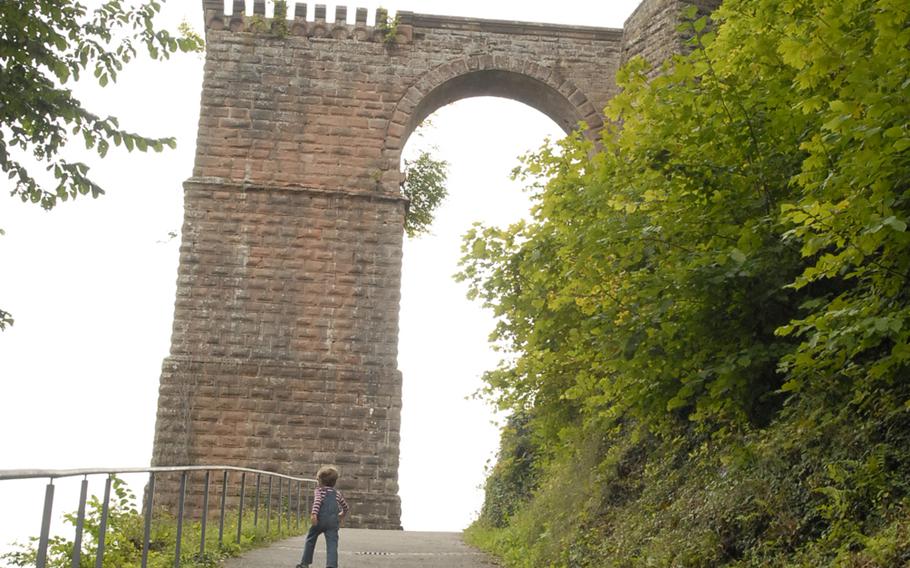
{"x": 321, "y": 493}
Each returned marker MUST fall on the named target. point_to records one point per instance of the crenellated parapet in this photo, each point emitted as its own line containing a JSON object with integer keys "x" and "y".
{"x": 305, "y": 20}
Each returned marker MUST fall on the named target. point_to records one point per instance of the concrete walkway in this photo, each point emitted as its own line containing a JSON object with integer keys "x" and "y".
{"x": 360, "y": 548}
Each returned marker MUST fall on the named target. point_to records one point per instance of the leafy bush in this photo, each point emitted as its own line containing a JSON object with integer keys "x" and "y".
{"x": 513, "y": 478}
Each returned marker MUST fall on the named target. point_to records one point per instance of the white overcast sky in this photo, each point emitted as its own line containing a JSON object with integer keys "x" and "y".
{"x": 91, "y": 285}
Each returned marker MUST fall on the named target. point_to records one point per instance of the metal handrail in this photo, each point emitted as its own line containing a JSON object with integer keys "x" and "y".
{"x": 10, "y": 474}
{"x": 184, "y": 471}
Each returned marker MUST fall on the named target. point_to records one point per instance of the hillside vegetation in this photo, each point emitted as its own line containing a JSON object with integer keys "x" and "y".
{"x": 705, "y": 323}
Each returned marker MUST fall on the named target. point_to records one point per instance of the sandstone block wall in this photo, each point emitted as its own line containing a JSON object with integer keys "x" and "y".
{"x": 285, "y": 338}
{"x": 652, "y": 29}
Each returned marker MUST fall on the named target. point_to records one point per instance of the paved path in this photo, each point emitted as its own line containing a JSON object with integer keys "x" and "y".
{"x": 360, "y": 548}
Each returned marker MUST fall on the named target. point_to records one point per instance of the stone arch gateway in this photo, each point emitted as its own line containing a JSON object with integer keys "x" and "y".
{"x": 284, "y": 345}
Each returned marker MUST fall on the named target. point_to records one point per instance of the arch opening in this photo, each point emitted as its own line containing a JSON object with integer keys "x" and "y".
{"x": 498, "y": 83}
{"x": 543, "y": 89}
{"x": 447, "y": 436}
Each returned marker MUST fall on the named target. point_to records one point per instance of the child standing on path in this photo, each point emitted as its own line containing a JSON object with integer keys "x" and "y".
{"x": 329, "y": 509}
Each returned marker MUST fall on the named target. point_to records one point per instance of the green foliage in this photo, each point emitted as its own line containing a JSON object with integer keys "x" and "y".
{"x": 6, "y": 319}
{"x": 45, "y": 44}
{"x": 125, "y": 533}
{"x": 387, "y": 26}
{"x": 717, "y": 296}
{"x": 276, "y": 27}
{"x": 513, "y": 478}
{"x": 424, "y": 186}
{"x": 188, "y": 34}
{"x": 850, "y": 214}
{"x": 807, "y": 491}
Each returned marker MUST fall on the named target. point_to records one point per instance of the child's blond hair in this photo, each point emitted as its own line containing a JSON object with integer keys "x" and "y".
{"x": 327, "y": 475}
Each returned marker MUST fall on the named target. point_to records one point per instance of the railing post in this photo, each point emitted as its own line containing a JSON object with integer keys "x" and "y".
{"x": 280, "y": 496}
{"x": 41, "y": 561}
{"x": 268, "y": 508}
{"x": 299, "y": 484}
{"x": 102, "y": 528}
{"x": 224, "y": 481}
{"x": 258, "y": 486}
{"x": 147, "y": 530}
{"x": 80, "y": 521}
{"x": 240, "y": 512}
{"x": 289, "y": 506}
{"x": 181, "y": 499}
{"x": 205, "y": 515}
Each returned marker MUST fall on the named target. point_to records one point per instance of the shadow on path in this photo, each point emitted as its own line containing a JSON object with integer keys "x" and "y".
{"x": 361, "y": 548}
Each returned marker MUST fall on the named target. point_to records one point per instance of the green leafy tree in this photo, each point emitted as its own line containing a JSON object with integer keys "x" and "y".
{"x": 46, "y": 44}
{"x": 651, "y": 282}
{"x": 728, "y": 270}
{"x": 850, "y": 213}
{"x": 425, "y": 187}
{"x": 745, "y": 228}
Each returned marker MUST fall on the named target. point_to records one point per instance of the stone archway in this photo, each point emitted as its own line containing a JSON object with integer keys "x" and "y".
{"x": 509, "y": 77}
{"x": 284, "y": 345}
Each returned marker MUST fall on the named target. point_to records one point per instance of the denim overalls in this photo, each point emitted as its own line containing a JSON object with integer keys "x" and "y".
{"x": 328, "y": 524}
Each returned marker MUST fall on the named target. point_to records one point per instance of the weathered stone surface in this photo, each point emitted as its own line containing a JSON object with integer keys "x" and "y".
{"x": 284, "y": 346}
{"x": 652, "y": 29}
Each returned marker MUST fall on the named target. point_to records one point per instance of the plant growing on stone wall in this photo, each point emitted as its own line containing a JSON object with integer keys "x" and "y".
{"x": 387, "y": 26}
{"x": 276, "y": 27}
{"x": 255, "y": 23}
{"x": 280, "y": 24}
